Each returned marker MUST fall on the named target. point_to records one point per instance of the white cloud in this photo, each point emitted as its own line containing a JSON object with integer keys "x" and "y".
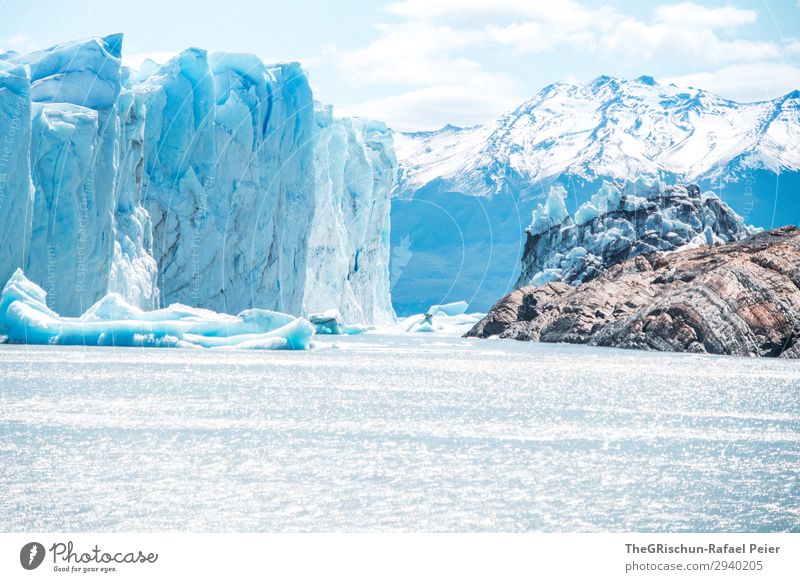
{"x": 558, "y": 13}
{"x": 409, "y": 54}
{"x": 18, "y": 42}
{"x": 744, "y": 82}
{"x": 433, "y": 52}
{"x": 430, "y": 108}
{"x": 135, "y": 60}
{"x": 637, "y": 41}
{"x": 692, "y": 15}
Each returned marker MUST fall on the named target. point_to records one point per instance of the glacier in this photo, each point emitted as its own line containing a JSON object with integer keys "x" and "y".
{"x": 620, "y": 223}
{"x": 26, "y": 318}
{"x": 356, "y": 166}
{"x": 16, "y": 187}
{"x": 212, "y": 180}
{"x": 464, "y": 195}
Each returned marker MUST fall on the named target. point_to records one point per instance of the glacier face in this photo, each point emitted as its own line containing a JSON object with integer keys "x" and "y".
{"x": 16, "y": 188}
{"x": 620, "y": 223}
{"x": 196, "y": 181}
{"x": 228, "y": 181}
{"x": 472, "y": 185}
{"x": 355, "y": 165}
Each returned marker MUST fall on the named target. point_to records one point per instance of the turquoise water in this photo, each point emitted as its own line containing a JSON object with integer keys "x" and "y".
{"x": 397, "y": 433}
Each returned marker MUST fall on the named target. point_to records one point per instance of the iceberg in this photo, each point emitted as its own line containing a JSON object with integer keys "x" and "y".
{"x": 26, "y": 318}
{"x": 331, "y": 323}
{"x": 211, "y": 180}
{"x": 449, "y": 318}
{"x": 455, "y": 308}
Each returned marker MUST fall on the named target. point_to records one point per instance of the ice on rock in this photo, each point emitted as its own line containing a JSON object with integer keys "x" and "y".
{"x": 620, "y": 223}
{"x": 608, "y": 199}
{"x": 552, "y": 213}
{"x": 201, "y": 181}
{"x": 26, "y": 318}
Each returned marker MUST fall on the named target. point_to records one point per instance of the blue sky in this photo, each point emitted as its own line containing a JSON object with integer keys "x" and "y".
{"x": 419, "y": 64}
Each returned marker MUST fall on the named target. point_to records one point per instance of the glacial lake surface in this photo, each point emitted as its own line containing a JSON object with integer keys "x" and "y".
{"x": 397, "y": 433}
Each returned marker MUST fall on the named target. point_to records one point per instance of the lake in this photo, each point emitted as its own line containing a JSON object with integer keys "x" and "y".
{"x": 397, "y": 433}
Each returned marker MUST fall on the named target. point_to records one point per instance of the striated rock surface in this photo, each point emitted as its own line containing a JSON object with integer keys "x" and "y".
{"x": 740, "y": 298}
{"x": 618, "y": 224}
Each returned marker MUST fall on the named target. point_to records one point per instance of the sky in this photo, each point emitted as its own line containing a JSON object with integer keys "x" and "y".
{"x": 420, "y": 64}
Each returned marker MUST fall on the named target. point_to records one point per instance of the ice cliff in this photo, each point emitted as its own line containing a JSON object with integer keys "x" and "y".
{"x": 619, "y": 223}
{"x": 355, "y": 166}
{"x": 211, "y": 180}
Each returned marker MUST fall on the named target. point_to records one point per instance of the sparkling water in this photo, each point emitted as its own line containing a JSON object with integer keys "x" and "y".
{"x": 399, "y": 433}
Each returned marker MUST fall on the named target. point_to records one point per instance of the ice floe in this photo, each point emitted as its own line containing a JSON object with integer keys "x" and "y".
{"x": 26, "y": 318}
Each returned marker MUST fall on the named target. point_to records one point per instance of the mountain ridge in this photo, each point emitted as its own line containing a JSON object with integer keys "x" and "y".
{"x": 518, "y": 138}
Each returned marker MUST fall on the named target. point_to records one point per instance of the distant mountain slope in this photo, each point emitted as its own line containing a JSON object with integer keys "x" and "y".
{"x": 472, "y": 184}
{"x": 609, "y": 128}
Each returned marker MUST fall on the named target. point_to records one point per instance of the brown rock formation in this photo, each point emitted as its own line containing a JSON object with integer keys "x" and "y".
{"x": 741, "y": 298}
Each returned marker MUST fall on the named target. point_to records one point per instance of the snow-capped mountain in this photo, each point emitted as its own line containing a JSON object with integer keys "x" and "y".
{"x": 609, "y": 128}
{"x": 212, "y": 180}
{"x": 464, "y": 195}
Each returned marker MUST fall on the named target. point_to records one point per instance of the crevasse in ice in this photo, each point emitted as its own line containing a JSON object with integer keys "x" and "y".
{"x": 210, "y": 180}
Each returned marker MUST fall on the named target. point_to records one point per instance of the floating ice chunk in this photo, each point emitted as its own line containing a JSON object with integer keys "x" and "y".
{"x": 295, "y": 335}
{"x": 449, "y": 319}
{"x": 330, "y": 322}
{"x": 112, "y": 306}
{"x": 266, "y": 319}
{"x": 455, "y": 308}
{"x": 114, "y": 322}
{"x": 19, "y": 288}
{"x": 422, "y": 325}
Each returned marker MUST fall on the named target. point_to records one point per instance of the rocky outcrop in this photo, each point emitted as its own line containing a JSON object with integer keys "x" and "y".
{"x": 619, "y": 223}
{"x": 740, "y": 298}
